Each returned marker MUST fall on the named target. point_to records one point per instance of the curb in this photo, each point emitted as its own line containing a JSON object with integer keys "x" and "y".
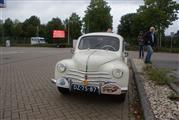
{"x": 174, "y": 87}
{"x": 146, "y": 108}
{"x": 172, "y": 84}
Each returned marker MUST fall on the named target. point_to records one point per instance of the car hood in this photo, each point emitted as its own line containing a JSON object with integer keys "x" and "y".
{"x": 91, "y": 60}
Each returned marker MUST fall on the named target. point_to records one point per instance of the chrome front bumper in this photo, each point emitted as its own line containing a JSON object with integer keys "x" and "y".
{"x": 122, "y": 89}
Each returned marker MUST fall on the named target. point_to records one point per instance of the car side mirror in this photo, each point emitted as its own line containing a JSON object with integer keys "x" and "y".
{"x": 126, "y": 54}
{"x": 72, "y": 50}
{"x": 126, "y": 57}
{"x": 126, "y": 45}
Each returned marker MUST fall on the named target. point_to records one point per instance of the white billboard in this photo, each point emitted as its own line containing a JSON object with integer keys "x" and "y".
{"x": 37, "y": 40}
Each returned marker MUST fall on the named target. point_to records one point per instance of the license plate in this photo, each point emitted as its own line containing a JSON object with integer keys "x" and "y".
{"x": 82, "y": 88}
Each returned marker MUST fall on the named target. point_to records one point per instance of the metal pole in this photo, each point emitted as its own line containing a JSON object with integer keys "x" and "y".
{"x": 88, "y": 25}
{"x": 37, "y": 34}
{"x": 68, "y": 31}
{"x": 171, "y": 43}
{"x": 160, "y": 39}
{"x": 37, "y": 31}
{"x": 2, "y": 37}
{"x": 172, "y": 35}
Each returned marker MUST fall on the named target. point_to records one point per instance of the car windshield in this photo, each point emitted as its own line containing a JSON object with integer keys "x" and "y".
{"x": 99, "y": 42}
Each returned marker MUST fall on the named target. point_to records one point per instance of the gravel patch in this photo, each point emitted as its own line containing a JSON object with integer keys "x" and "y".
{"x": 162, "y": 106}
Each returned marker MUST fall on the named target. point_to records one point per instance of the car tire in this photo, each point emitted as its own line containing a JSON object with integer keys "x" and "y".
{"x": 64, "y": 91}
{"x": 122, "y": 97}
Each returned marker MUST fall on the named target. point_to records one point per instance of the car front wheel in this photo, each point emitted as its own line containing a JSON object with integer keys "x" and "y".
{"x": 122, "y": 97}
{"x": 63, "y": 90}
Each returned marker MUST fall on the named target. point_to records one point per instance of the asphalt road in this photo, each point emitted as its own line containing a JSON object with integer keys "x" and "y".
{"x": 27, "y": 93}
{"x": 163, "y": 60}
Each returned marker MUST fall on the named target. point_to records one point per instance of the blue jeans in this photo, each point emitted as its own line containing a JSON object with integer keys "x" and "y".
{"x": 141, "y": 51}
{"x": 149, "y": 53}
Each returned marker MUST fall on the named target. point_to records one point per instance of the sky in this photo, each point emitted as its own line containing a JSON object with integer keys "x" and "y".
{"x": 47, "y": 9}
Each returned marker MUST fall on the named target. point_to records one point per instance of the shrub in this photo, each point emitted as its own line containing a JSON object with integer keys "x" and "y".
{"x": 173, "y": 96}
{"x": 160, "y": 75}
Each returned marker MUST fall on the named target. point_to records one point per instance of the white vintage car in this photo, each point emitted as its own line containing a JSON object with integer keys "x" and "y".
{"x": 99, "y": 65}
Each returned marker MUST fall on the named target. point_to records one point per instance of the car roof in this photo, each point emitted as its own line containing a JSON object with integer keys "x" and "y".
{"x": 103, "y": 34}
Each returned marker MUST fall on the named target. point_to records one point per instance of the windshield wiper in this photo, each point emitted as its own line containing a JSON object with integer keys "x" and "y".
{"x": 97, "y": 45}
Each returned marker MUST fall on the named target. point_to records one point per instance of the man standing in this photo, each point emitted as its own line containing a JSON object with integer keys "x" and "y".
{"x": 109, "y": 30}
{"x": 150, "y": 42}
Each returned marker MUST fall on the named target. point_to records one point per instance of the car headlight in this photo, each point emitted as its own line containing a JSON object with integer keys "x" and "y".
{"x": 61, "y": 67}
{"x": 117, "y": 73}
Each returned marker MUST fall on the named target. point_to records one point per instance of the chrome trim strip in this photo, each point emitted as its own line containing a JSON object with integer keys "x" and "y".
{"x": 53, "y": 81}
{"x": 89, "y": 77}
{"x": 77, "y": 75}
{"x": 74, "y": 78}
{"x": 89, "y": 73}
{"x": 80, "y": 75}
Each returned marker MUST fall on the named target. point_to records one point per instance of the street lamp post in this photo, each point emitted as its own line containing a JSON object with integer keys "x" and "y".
{"x": 1, "y": 18}
{"x": 88, "y": 25}
{"x": 172, "y": 35}
{"x": 68, "y": 31}
{"x": 37, "y": 34}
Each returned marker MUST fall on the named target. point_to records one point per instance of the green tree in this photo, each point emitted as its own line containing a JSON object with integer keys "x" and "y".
{"x": 54, "y": 24}
{"x": 8, "y": 27}
{"x": 30, "y": 26}
{"x": 74, "y": 24}
{"x": 97, "y": 17}
{"x": 130, "y": 26}
{"x": 1, "y": 31}
{"x": 17, "y": 28}
{"x": 159, "y": 13}
{"x": 17, "y": 31}
{"x": 43, "y": 31}
{"x": 125, "y": 26}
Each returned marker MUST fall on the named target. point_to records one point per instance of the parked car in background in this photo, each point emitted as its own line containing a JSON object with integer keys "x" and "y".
{"x": 99, "y": 66}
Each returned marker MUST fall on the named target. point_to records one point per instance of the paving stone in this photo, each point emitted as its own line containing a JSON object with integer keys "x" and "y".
{"x": 27, "y": 93}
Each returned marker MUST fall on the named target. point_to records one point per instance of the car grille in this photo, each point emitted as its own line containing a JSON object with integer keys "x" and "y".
{"x": 92, "y": 76}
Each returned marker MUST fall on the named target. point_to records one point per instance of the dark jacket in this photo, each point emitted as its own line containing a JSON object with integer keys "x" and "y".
{"x": 148, "y": 39}
{"x": 140, "y": 40}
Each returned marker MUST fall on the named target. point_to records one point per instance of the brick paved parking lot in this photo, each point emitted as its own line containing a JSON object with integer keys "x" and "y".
{"x": 27, "y": 93}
